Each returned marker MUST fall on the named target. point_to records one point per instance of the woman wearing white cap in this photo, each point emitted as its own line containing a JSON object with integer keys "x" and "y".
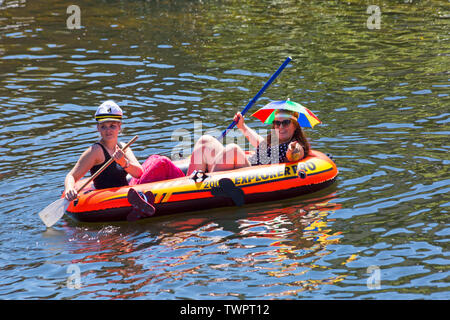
{"x": 109, "y": 123}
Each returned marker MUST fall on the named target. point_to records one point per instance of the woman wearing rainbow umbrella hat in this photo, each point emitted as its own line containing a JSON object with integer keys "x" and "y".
{"x": 289, "y": 141}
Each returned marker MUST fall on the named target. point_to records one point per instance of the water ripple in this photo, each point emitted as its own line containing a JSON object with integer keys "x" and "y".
{"x": 382, "y": 98}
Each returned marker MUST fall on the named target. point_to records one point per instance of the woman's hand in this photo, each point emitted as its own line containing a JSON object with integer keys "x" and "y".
{"x": 239, "y": 119}
{"x": 71, "y": 194}
{"x": 295, "y": 151}
{"x": 120, "y": 157}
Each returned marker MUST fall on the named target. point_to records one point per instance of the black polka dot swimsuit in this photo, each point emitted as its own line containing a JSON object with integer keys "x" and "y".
{"x": 261, "y": 157}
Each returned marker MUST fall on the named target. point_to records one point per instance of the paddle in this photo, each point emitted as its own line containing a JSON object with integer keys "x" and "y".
{"x": 54, "y": 211}
{"x": 252, "y": 102}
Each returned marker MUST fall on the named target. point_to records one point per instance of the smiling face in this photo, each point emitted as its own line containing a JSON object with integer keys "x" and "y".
{"x": 284, "y": 126}
{"x": 109, "y": 130}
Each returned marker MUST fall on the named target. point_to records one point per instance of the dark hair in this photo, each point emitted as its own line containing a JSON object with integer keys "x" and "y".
{"x": 299, "y": 135}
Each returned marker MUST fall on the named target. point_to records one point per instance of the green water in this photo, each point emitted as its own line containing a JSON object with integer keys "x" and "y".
{"x": 380, "y": 232}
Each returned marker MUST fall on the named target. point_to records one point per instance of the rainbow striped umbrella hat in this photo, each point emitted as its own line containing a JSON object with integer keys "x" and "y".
{"x": 306, "y": 118}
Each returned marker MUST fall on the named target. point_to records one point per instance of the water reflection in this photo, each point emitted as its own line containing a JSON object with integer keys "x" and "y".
{"x": 381, "y": 94}
{"x": 238, "y": 248}
{"x": 301, "y": 234}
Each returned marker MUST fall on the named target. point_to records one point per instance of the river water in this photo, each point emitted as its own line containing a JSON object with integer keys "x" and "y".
{"x": 380, "y": 86}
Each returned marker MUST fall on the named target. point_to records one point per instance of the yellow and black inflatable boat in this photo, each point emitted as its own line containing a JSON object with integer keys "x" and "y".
{"x": 257, "y": 184}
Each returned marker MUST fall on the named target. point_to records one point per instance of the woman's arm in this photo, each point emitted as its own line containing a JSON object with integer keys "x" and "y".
{"x": 86, "y": 161}
{"x": 251, "y": 135}
{"x": 127, "y": 160}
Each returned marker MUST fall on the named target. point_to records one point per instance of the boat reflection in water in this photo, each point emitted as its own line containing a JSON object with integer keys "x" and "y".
{"x": 223, "y": 253}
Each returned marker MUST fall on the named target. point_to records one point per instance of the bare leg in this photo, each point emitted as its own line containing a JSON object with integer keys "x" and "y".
{"x": 205, "y": 150}
{"x": 231, "y": 157}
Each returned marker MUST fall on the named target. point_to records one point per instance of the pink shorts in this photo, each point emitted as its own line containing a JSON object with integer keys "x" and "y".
{"x": 157, "y": 168}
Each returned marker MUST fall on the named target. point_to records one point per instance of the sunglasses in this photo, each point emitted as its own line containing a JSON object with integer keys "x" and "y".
{"x": 283, "y": 123}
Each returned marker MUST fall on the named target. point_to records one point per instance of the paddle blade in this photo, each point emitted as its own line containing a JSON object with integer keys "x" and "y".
{"x": 54, "y": 211}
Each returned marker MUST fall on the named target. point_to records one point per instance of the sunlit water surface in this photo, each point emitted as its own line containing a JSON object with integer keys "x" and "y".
{"x": 380, "y": 232}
